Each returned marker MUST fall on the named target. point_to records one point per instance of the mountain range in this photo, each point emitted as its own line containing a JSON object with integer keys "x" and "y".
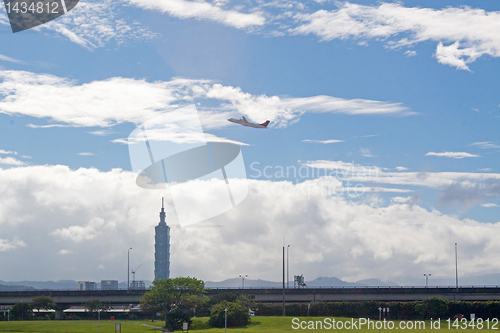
{"x": 483, "y": 280}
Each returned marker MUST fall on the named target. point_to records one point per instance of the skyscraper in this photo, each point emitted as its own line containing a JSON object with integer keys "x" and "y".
{"x": 162, "y": 247}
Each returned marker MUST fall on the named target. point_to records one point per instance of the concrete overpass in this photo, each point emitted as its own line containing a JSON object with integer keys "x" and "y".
{"x": 66, "y": 298}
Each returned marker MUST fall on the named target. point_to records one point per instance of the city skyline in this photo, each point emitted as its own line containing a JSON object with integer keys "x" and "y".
{"x": 381, "y": 153}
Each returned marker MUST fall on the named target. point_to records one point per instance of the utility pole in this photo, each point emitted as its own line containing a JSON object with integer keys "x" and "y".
{"x": 283, "y": 280}
{"x": 427, "y": 279}
{"x": 287, "y": 267}
{"x": 456, "y": 266}
{"x": 243, "y": 282}
{"x": 225, "y": 320}
{"x": 128, "y": 269}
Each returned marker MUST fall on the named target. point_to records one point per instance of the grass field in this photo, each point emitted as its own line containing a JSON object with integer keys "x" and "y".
{"x": 200, "y": 325}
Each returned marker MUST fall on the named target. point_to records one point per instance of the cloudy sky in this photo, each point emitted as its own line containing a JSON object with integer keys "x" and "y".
{"x": 382, "y": 151}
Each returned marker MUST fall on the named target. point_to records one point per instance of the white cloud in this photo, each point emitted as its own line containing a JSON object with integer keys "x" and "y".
{"x": 485, "y": 145}
{"x": 101, "y": 132}
{"x": 5, "y": 152}
{"x": 102, "y": 214}
{"x": 119, "y": 100}
{"x": 366, "y": 152}
{"x": 86, "y": 154}
{"x": 78, "y": 234}
{"x": 475, "y": 109}
{"x": 204, "y": 11}
{"x": 489, "y": 205}
{"x": 6, "y": 245}
{"x": 411, "y": 53}
{"x": 400, "y": 168}
{"x": 373, "y": 174}
{"x": 485, "y": 170}
{"x": 463, "y": 189}
{"x": 45, "y": 126}
{"x": 11, "y": 161}
{"x": 94, "y": 24}
{"x": 64, "y": 252}
{"x": 455, "y": 56}
{"x": 470, "y": 32}
{"x": 323, "y": 141}
{"x": 5, "y": 58}
{"x": 458, "y": 155}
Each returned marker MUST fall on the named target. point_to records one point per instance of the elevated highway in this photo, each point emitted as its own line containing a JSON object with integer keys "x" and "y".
{"x": 66, "y": 298}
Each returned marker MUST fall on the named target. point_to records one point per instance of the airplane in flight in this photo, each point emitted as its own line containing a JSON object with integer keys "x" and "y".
{"x": 243, "y": 121}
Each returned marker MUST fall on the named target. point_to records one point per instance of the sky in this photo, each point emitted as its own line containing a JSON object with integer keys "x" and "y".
{"x": 382, "y": 150}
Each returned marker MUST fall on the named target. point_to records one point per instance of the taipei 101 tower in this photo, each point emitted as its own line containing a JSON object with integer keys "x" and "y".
{"x": 162, "y": 247}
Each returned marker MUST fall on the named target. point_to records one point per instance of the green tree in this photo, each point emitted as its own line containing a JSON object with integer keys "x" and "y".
{"x": 237, "y": 315}
{"x": 21, "y": 311}
{"x": 433, "y": 308}
{"x": 43, "y": 303}
{"x": 93, "y": 305}
{"x": 169, "y": 296}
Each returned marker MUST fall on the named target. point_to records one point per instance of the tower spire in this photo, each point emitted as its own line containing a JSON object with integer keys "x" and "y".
{"x": 162, "y": 213}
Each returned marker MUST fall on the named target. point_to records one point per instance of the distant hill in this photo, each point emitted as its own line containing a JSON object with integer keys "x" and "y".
{"x": 330, "y": 282}
{"x": 61, "y": 285}
{"x": 377, "y": 283}
{"x": 53, "y": 285}
{"x": 482, "y": 280}
{"x": 249, "y": 283}
{"x": 15, "y": 288}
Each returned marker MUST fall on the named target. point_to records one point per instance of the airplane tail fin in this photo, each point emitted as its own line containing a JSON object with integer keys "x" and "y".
{"x": 265, "y": 124}
{"x": 245, "y": 119}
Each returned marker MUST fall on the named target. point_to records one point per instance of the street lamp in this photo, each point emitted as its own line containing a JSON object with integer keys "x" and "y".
{"x": 287, "y": 268}
{"x": 243, "y": 282}
{"x": 427, "y": 279}
{"x": 456, "y": 266}
{"x": 128, "y": 269}
{"x": 8, "y": 319}
{"x": 225, "y": 320}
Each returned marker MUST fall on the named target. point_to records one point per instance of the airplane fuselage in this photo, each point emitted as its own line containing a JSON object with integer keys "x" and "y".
{"x": 246, "y": 123}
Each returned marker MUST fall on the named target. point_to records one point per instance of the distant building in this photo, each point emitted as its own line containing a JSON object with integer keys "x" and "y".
{"x": 137, "y": 285}
{"x": 109, "y": 285}
{"x": 87, "y": 285}
{"x": 162, "y": 247}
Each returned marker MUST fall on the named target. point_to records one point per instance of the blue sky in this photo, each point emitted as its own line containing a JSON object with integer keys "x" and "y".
{"x": 407, "y": 89}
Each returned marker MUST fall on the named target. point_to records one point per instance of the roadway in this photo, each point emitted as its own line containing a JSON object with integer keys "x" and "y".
{"x": 66, "y": 298}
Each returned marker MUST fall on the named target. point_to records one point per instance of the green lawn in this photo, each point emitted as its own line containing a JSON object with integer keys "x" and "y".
{"x": 200, "y": 325}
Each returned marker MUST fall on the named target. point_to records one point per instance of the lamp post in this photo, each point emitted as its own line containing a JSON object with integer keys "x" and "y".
{"x": 283, "y": 278}
{"x": 243, "y": 282}
{"x": 128, "y": 269}
{"x": 456, "y": 266}
{"x": 287, "y": 268}
{"x": 98, "y": 320}
{"x": 225, "y": 320}
{"x": 427, "y": 279}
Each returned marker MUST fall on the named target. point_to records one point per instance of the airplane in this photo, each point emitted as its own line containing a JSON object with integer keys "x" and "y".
{"x": 243, "y": 121}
